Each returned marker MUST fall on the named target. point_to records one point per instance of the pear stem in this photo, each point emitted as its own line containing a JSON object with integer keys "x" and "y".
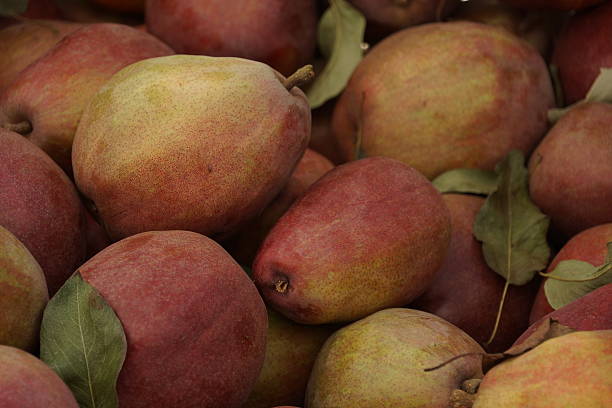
{"x": 23, "y": 128}
{"x": 300, "y": 77}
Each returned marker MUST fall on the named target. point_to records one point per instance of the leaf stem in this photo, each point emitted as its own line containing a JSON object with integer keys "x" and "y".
{"x": 499, "y": 313}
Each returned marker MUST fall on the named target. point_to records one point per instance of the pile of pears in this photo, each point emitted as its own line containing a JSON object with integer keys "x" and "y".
{"x": 183, "y": 225}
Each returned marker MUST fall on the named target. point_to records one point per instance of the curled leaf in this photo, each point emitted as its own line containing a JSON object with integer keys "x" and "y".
{"x": 340, "y": 36}
{"x": 12, "y": 8}
{"x": 547, "y": 329}
{"x": 82, "y": 339}
{"x": 573, "y": 279}
{"x": 466, "y": 181}
{"x": 601, "y": 91}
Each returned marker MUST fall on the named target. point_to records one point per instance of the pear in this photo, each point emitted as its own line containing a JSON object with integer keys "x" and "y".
{"x": 21, "y": 44}
{"x": 368, "y": 235}
{"x": 393, "y": 15}
{"x": 41, "y": 207}
{"x": 243, "y": 245}
{"x": 25, "y": 381}
{"x": 567, "y": 371}
{"x": 441, "y": 96}
{"x": 23, "y": 293}
{"x": 194, "y": 322}
{"x": 582, "y": 48}
{"x": 380, "y": 362}
{"x": 574, "y": 187}
{"x": 280, "y": 33}
{"x": 291, "y": 350}
{"x": 586, "y": 246}
{"x": 189, "y": 142}
{"x": 45, "y": 101}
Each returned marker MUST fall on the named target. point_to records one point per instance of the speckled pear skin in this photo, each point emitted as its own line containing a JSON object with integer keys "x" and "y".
{"x": 394, "y": 15}
{"x": 52, "y": 93}
{"x": 291, "y": 350}
{"x": 589, "y": 312}
{"x": 379, "y": 361}
{"x": 368, "y": 235}
{"x": 23, "y": 43}
{"x": 589, "y": 246}
{"x": 23, "y": 294}
{"x": 569, "y": 171}
{"x": 25, "y": 381}
{"x": 41, "y": 207}
{"x": 188, "y": 142}
{"x": 568, "y": 371}
{"x": 554, "y": 4}
{"x": 280, "y": 33}
{"x": 244, "y": 244}
{"x": 441, "y": 96}
{"x": 194, "y": 322}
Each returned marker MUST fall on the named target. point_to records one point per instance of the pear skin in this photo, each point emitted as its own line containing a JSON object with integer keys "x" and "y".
{"x": 44, "y": 103}
{"x": 368, "y": 235}
{"x": 379, "y": 362}
{"x": 291, "y": 350}
{"x": 189, "y": 142}
{"x": 23, "y": 294}
{"x": 567, "y": 371}
{"x": 442, "y": 96}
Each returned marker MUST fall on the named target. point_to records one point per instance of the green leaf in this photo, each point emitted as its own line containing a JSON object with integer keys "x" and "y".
{"x": 82, "y": 339}
{"x": 573, "y": 279}
{"x": 601, "y": 91}
{"x": 340, "y": 35}
{"x": 466, "y": 181}
{"x": 326, "y": 33}
{"x": 12, "y": 8}
{"x": 512, "y": 229}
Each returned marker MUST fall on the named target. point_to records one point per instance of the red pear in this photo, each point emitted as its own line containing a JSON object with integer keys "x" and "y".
{"x": 587, "y": 246}
{"x": 569, "y": 171}
{"x": 393, "y": 15}
{"x": 21, "y": 44}
{"x": 194, "y": 322}
{"x": 572, "y": 370}
{"x": 465, "y": 271}
{"x": 40, "y": 205}
{"x": 582, "y": 49}
{"x": 590, "y": 312}
{"x": 25, "y": 381}
{"x": 280, "y": 33}
{"x": 554, "y": 4}
{"x": 244, "y": 245}
{"x": 368, "y": 235}
{"x": 445, "y": 95}
{"x": 45, "y": 102}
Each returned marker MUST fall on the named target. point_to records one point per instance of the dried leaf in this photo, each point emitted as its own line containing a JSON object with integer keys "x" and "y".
{"x": 12, "y": 8}
{"x": 82, "y": 339}
{"x": 572, "y": 279}
{"x": 511, "y": 227}
{"x": 601, "y": 91}
{"x": 466, "y": 181}
{"x": 343, "y": 44}
{"x": 547, "y": 329}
